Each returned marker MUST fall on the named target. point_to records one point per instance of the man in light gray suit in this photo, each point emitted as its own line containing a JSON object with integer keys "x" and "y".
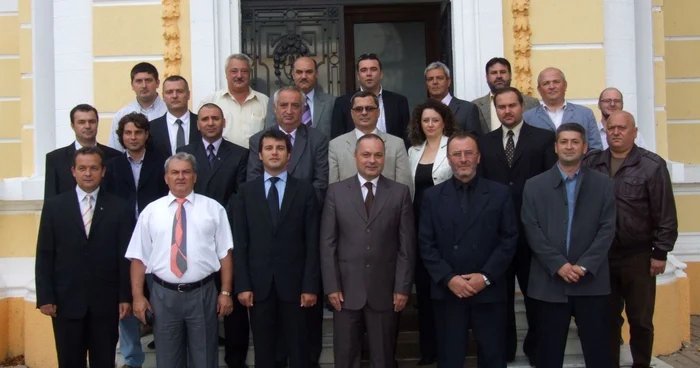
{"x": 368, "y": 249}
{"x": 498, "y": 75}
{"x": 341, "y": 150}
{"x": 555, "y": 110}
{"x": 568, "y": 214}
{"x": 438, "y": 81}
{"x": 319, "y": 105}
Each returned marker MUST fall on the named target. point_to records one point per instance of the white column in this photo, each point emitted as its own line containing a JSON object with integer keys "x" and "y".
{"x": 44, "y": 102}
{"x": 646, "y": 111}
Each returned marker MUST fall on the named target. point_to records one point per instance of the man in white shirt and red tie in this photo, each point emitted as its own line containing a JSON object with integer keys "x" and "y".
{"x": 182, "y": 239}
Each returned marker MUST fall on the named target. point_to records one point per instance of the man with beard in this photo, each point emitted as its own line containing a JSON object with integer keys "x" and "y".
{"x": 498, "y": 75}
{"x": 438, "y": 81}
{"x": 609, "y": 101}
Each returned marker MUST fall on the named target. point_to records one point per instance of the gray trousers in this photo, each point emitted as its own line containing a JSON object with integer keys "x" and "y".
{"x": 186, "y": 327}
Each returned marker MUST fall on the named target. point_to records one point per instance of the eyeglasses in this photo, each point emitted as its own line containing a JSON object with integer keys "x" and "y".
{"x": 610, "y": 100}
{"x": 466, "y": 154}
{"x": 369, "y": 109}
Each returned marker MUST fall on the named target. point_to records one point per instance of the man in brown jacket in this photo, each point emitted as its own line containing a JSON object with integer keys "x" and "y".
{"x": 368, "y": 248}
{"x": 647, "y": 228}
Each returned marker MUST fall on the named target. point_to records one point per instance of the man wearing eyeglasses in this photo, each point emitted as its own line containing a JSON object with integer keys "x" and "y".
{"x": 611, "y": 100}
{"x": 365, "y": 114}
{"x": 393, "y": 108}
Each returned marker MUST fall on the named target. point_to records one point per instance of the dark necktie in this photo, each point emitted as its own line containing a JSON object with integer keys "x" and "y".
{"x": 180, "y": 138}
{"x": 210, "y": 153}
{"x": 370, "y": 198}
{"x": 291, "y": 139}
{"x": 273, "y": 200}
{"x": 510, "y": 148}
{"x": 178, "y": 249}
{"x": 464, "y": 201}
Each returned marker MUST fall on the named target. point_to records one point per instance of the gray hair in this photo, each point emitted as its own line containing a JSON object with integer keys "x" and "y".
{"x": 181, "y": 156}
{"x": 437, "y": 65}
{"x": 276, "y": 96}
{"x": 242, "y": 57}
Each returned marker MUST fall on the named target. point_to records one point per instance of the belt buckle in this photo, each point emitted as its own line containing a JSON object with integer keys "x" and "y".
{"x": 180, "y": 286}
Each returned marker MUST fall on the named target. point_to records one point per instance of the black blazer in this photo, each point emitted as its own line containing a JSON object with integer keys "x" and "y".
{"x": 58, "y": 177}
{"x": 286, "y": 254}
{"x": 221, "y": 180}
{"x": 160, "y": 138}
{"x": 466, "y": 116}
{"x": 119, "y": 180}
{"x": 395, "y": 112}
{"x": 77, "y": 272}
{"x": 484, "y": 241}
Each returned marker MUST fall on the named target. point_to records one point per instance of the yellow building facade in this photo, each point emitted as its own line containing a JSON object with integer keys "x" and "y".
{"x": 56, "y": 54}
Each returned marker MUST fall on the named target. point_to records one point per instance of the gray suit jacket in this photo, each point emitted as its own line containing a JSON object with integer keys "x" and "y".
{"x": 368, "y": 258}
{"x": 321, "y": 114}
{"x": 484, "y": 105}
{"x": 545, "y": 215}
{"x": 538, "y": 117}
{"x": 467, "y": 116}
{"x": 341, "y": 159}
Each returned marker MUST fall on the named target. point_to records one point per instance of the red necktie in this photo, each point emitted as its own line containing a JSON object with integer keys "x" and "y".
{"x": 178, "y": 249}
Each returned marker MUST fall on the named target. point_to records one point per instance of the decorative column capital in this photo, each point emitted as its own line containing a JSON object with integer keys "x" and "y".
{"x": 522, "y": 74}
{"x": 172, "y": 55}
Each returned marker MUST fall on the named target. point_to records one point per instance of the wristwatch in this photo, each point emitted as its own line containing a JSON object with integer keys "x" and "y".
{"x": 225, "y": 293}
{"x": 486, "y": 280}
{"x": 584, "y": 269}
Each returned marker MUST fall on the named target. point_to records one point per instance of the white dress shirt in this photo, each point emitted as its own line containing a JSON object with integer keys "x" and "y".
{"x": 359, "y": 134}
{"x": 208, "y": 237}
{"x": 364, "y": 188}
{"x": 381, "y": 123}
{"x": 216, "y": 143}
{"x": 242, "y": 120}
{"x": 172, "y": 128}
{"x": 516, "y": 134}
{"x": 292, "y": 134}
{"x": 156, "y": 110}
{"x": 495, "y": 123}
{"x": 556, "y": 116}
{"x": 447, "y": 99}
{"x": 81, "y": 198}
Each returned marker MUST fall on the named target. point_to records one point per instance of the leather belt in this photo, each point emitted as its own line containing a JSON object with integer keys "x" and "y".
{"x": 183, "y": 288}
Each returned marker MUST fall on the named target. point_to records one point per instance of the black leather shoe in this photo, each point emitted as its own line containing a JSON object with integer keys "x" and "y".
{"x": 426, "y": 361}
{"x": 152, "y": 344}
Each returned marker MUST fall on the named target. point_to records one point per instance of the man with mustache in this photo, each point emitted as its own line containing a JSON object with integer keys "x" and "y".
{"x": 144, "y": 83}
{"x": 467, "y": 239}
{"x": 609, "y": 101}
{"x": 319, "y": 105}
{"x": 498, "y": 75}
{"x": 438, "y": 81}
{"x": 178, "y": 126}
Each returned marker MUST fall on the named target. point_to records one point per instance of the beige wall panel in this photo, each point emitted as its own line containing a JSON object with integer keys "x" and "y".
{"x": 682, "y": 59}
{"x": 681, "y": 18}
{"x": 25, "y": 50}
{"x": 9, "y": 77}
{"x": 682, "y": 100}
{"x": 661, "y": 134}
{"x": 657, "y": 3}
{"x": 18, "y": 232}
{"x": 27, "y": 152}
{"x": 184, "y": 24}
{"x": 683, "y": 147}
{"x": 584, "y": 70}
{"x": 112, "y": 89}
{"x": 26, "y": 113}
{"x": 9, "y": 41}
{"x": 12, "y": 169}
{"x": 508, "y": 30}
{"x": 127, "y": 30}
{"x": 687, "y": 208}
{"x": 103, "y": 130}
{"x": 10, "y": 125}
{"x": 585, "y": 25}
{"x": 658, "y": 40}
{"x": 660, "y": 83}
{"x": 25, "y": 11}
{"x": 39, "y": 351}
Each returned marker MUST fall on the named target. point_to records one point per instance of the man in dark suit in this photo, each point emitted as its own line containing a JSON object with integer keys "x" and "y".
{"x": 467, "y": 240}
{"x": 178, "y": 127}
{"x": 83, "y": 121}
{"x": 510, "y": 155}
{"x": 394, "y": 115}
{"x": 276, "y": 255}
{"x": 368, "y": 249}
{"x": 438, "y": 81}
{"x": 82, "y": 277}
{"x": 569, "y": 218}
{"x": 222, "y": 171}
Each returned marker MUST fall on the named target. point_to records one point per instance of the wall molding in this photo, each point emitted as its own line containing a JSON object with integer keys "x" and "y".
{"x": 171, "y": 35}
{"x": 687, "y": 247}
{"x": 522, "y": 46}
{"x": 17, "y": 278}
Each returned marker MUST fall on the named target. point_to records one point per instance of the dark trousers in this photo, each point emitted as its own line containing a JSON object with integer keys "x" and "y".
{"x": 592, "y": 322}
{"x": 454, "y": 318}
{"x": 630, "y": 281}
{"x": 266, "y": 316}
{"x": 91, "y": 335}
{"x": 236, "y": 331}
{"x": 520, "y": 268}
{"x": 426, "y": 316}
{"x": 348, "y": 330}
{"x": 314, "y": 335}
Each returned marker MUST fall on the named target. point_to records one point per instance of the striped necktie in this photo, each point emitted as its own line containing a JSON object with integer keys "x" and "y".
{"x": 178, "y": 249}
{"x": 87, "y": 215}
{"x": 306, "y": 117}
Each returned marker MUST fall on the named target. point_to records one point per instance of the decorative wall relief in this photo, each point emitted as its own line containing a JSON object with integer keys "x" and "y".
{"x": 172, "y": 55}
{"x": 522, "y": 74}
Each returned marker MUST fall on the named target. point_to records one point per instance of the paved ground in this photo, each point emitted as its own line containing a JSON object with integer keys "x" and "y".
{"x": 689, "y": 355}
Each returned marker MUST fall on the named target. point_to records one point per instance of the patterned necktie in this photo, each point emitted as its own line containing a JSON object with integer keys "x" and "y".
{"x": 87, "y": 215}
{"x": 273, "y": 200}
{"x": 180, "y": 138}
{"x": 210, "y": 154}
{"x": 510, "y": 148}
{"x": 291, "y": 139}
{"x": 369, "y": 200}
{"x": 306, "y": 117}
{"x": 178, "y": 249}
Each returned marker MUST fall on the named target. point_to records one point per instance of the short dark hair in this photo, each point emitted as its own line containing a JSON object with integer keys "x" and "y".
{"x": 463, "y": 135}
{"x": 508, "y": 89}
{"x": 369, "y": 136}
{"x": 364, "y": 57}
{"x": 362, "y": 94}
{"x": 93, "y": 150}
{"x": 415, "y": 130}
{"x": 277, "y": 135}
{"x": 139, "y": 120}
{"x": 144, "y": 68}
{"x": 572, "y": 127}
{"x": 498, "y": 60}
{"x": 213, "y": 106}
{"x": 177, "y": 78}
{"x": 83, "y": 108}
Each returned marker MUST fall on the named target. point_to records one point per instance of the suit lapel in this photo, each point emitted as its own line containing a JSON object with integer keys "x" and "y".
{"x": 484, "y": 105}
{"x": 204, "y": 171}
{"x": 162, "y": 130}
{"x": 147, "y": 168}
{"x": 356, "y": 197}
{"x": 290, "y": 191}
{"x": 389, "y": 112}
{"x": 126, "y": 173}
{"x": 221, "y": 156}
{"x": 522, "y": 141}
{"x": 298, "y": 149}
{"x": 454, "y": 105}
{"x": 450, "y": 201}
{"x": 543, "y": 114}
{"x": 75, "y": 212}
{"x": 479, "y": 200}
{"x": 568, "y": 114}
{"x": 350, "y": 142}
{"x": 319, "y": 107}
{"x": 260, "y": 197}
{"x": 195, "y": 135}
{"x": 98, "y": 212}
{"x": 382, "y": 194}
{"x": 498, "y": 143}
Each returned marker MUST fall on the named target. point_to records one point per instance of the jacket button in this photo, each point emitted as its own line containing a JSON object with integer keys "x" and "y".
{"x": 368, "y": 247}
{"x": 367, "y": 265}
{"x": 511, "y": 183}
{"x": 456, "y": 247}
{"x": 367, "y": 230}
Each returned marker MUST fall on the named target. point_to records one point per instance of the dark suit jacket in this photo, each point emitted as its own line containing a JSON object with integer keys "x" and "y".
{"x": 534, "y": 154}
{"x": 396, "y": 115}
{"x": 484, "y": 104}
{"x": 222, "y": 179}
{"x": 483, "y": 241}
{"x": 77, "y": 272}
{"x": 368, "y": 258}
{"x": 119, "y": 180}
{"x": 58, "y": 177}
{"x": 545, "y": 215}
{"x": 160, "y": 138}
{"x": 466, "y": 116}
{"x": 285, "y": 254}
{"x": 309, "y": 160}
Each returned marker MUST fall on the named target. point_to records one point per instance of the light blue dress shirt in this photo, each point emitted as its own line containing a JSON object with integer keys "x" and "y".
{"x": 570, "y": 184}
{"x": 281, "y": 185}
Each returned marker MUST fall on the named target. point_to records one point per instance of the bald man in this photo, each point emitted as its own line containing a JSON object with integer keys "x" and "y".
{"x": 609, "y": 101}
{"x": 555, "y": 110}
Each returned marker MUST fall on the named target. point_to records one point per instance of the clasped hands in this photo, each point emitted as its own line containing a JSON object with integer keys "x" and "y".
{"x": 571, "y": 273}
{"x": 465, "y": 286}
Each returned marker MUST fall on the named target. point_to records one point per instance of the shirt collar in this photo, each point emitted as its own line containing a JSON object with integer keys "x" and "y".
{"x": 565, "y": 177}
{"x": 190, "y": 197}
{"x": 363, "y": 180}
{"x": 170, "y": 118}
{"x": 132, "y": 159}
{"x": 216, "y": 143}
{"x": 600, "y": 127}
{"x": 516, "y": 130}
{"x": 359, "y": 134}
{"x": 282, "y": 176}
{"x": 563, "y": 107}
{"x": 293, "y": 133}
{"x": 311, "y": 94}
{"x": 251, "y": 94}
{"x": 446, "y": 101}
{"x": 77, "y": 145}
{"x": 81, "y": 193}
{"x": 156, "y": 102}
{"x": 459, "y": 184}
{"x": 381, "y": 89}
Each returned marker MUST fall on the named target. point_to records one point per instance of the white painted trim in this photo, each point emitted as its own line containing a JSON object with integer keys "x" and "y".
{"x": 10, "y": 140}
{"x": 107, "y": 114}
{"x": 28, "y": 126}
{"x": 567, "y": 46}
{"x": 9, "y": 57}
{"x": 121, "y": 58}
{"x": 682, "y": 80}
{"x": 8, "y": 99}
{"x": 9, "y": 14}
{"x": 674, "y": 270}
{"x": 106, "y": 3}
{"x": 687, "y": 247}
{"x": 683, "y": 121}
{"x": 682, "y": 38}
{"x": 43, "y": 83}
{"x": 18, "y": 207}
{"x": 27, "y": 76}
{"x": 640, "y": 100}
{"x": 583, "y": 101}
{"x": 25, "y": 25}
{"x": 9, "y": 6}
{"x": 659, "y": 108}
{"x": 16, "y": 275}
{"x": 658, "y": 58}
